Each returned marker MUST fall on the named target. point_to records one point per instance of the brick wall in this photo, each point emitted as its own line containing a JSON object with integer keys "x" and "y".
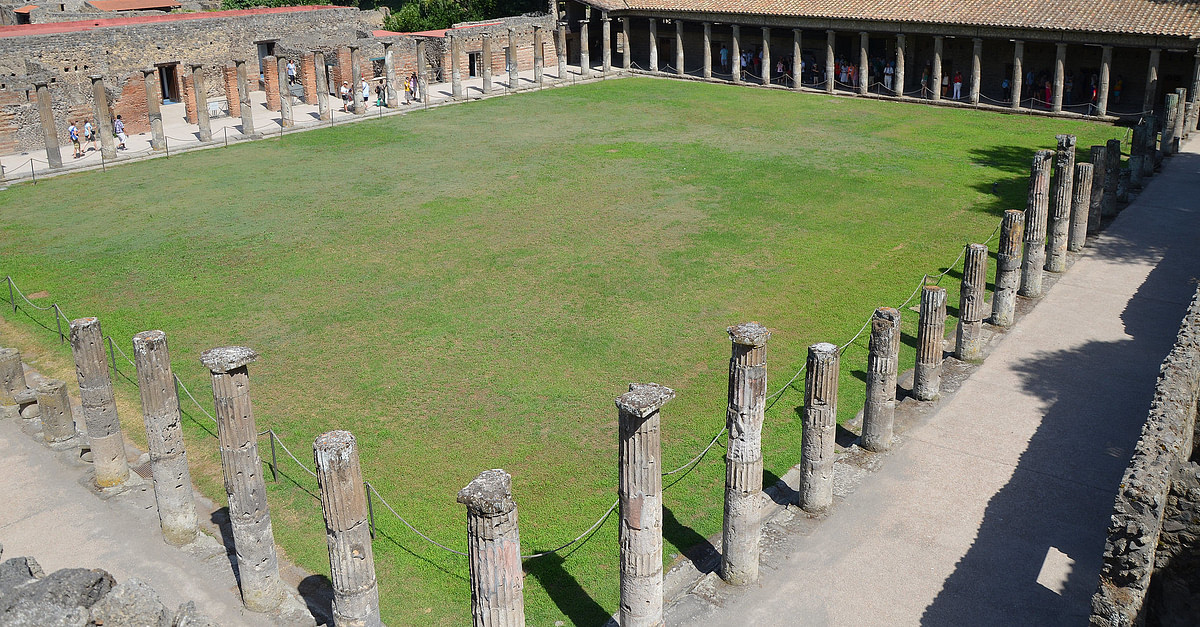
{"x": 231, "y": 90}
{"x": 271, "y": 82}
{"x": 189, "y": 101}
{"x": 308, "y": 77}
{"x": 130, "y": 104}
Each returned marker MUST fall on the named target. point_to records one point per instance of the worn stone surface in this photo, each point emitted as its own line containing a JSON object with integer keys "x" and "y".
{"x": 131, "y": 602}
{"x": 99, "y": 405}
{"x": 741, "y": 526}
{"x": 348, "y": 534}
{"x": 1081, "y": 202}
{"x": 1112, "y": 173}
{"x": 931, "y": 333}
{"x": 968, "y": 344}
{"x": 883, "y": 351}
{"x": 1008, "y": 268}
{"x": 1035, "y": 225}
{"x": 494, "y": 551}
{"x": 12, "y": 376}
{"x": 819, "y": 428}
{"x": 1060, "y": 214}
{"x": 54, "y": 405}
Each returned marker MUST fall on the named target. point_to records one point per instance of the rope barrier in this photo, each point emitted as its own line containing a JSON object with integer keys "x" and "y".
{"x": 401, "y": 519}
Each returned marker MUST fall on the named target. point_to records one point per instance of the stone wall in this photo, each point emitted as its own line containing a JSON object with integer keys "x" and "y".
{"x": 1156, "y": 517}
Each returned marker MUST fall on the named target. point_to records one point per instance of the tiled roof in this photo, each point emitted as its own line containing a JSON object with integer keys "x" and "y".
{"x": 25, "y": 9}
{"x": 1145, "y": 17}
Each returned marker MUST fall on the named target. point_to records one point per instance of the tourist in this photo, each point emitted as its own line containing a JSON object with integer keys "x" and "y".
{"x": 1049, "y": 91}
{"x": 364, "y": 92}
{"x": 945, "y": 85}
{"x": 291, "y": 72}
{"x": 89, "y": 134}
{"x": 925, "y": 82}
{"x": 1006, "y": 89}
{"x": 1116, "y": 92}
{"x": 407, "y": 90}
{"x": 119, "y": 130}
{"x": 417, "y": 87}
{"x": 1069, "y": 88}
{"x": 957, "y": 85}
{"x": 779, "y": 67}
{"x": 888, "y": 73}
{"x": 724, "y": 58}
{"x": 73, "y": 133}
{"x": 843, "y": 73}
{"x": 853, "y": 72}
{"x": 345, "y": 91}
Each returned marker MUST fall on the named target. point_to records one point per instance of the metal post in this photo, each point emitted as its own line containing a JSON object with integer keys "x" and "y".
{"x": 274, "y": 462}
{"x": 112, "y": 353}
{"x": 11, "y": 298}
{"x": 58, "y": 321}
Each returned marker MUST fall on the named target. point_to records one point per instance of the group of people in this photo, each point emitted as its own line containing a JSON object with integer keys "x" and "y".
{"x": 411, "y": 91}
{"x": 91, "y": 134}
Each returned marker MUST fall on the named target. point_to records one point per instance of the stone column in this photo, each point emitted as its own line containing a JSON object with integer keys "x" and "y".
{"x": 1151, "y": 149}
{"x": 606, "y": 41}
{"x": 627, "y": 56}
{"x": 735, "y": 54}
{"x": 899, "y": 77}
{"x": 830, "y": 70}
{"x": 49, "y": 128}
{"x": 1036, "y": 209}
{"x": 653, "y": 44}
{"x": 864, "y": 68}
{"x": 322, "y": 72}
{"x": 12, "y": 381}
{"x": 514, "y": 73}
{"x": 164, "y": 437}
{"x": 640, "y": 494}
{"x": 707, "y": 70}
{"x": 976, "y": 53}
{"x": 972, "y": 295}
{"x": 494, "y": 551}
{"x": 1112, "y": 170}
{"x": 1170, "y": 104}
{"x": 249, "y": 515}
{"x": 766, "y": 56}
{"x": 1060, "y": 213}
{"x": 54, "y": 406}
{"x": 1180, "y": 113}
{"x": 679, "y": 67}
{"x": 1151, "y": 81}
{"x": 347, "y": 532}
{"x": 1102, "y": 88}
{"x": 819, "y": 427}
{"x": 1081, "y": 202}
{"x": 539, "y": 59}
{"x": 744, "y": 461}
{"x": 104, "y": 124}
{"x": 201, "y": 95}
{"x": 154, "y": 109}
{"x": 486, "y": 71}
{"x": 357, "y": 104}
{"x": 1060, "y": 60}
{"x": 1018, "y": 78}
{"x": 931, "y": 334}
{"x": 456, "y": 88}
{"x": 883, "y": 351}
{"x": 99, "y": 406}
{"x": 585, "y": 48}
{"x": 1008, "y": 268}
{"x": 391, "y": 98}
{"x": 936, "y": 79}
{"x": 285, "y": 95}
{"x": 1098, "y": 154}
{"x": 243, "y": 94}
{"x": 797, "y": 58}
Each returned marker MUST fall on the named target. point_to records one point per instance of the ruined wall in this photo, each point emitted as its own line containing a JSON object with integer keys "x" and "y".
{"x": 471, "y": 35}
{"x": 1155, "y": 519}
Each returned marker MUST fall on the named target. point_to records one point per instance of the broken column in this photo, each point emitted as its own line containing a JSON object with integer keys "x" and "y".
{"x": 1081, "y": 202}
{"x": 1112, "y": 173}
{"x": 494, "y": 551}
{"x": 49, "y": 128}
{"x": 249, "y": 516}
{"x": 348, "y": 534}
{"x": 931, "y": 333}
{"x": 357, "y": 104}
{"x": 456, "y": 88}
{"x": 12, "y": 381}
{"x": 99, "y": 406}
{"x": 1150, "y": 159}
{"x": 1060, "y": 215}
{"x": 639, "y": 492}
{"x": 164, "y": 438}
{"x": 514, "y": 77}
{"x": 322, "y": 73}
{"x": 819, "y": 427}
{"x": 1008, "y": 268}
{"x": 1035, "y": 225}
{"x": 968, "y": 345}
{"x": 154, "y": 109}
{"x": 1098, "y": 152}
{"x": 743, "y": 461}
{"x": 883, "y": 351}
{"x": 58, "y": 419}
{"x": 1137, "y": 147}
{"x": 243, "y": 94}
{"x": 104, "y": 121}
{"x": 201, "y": 96}
{"x": 285, "y": 94}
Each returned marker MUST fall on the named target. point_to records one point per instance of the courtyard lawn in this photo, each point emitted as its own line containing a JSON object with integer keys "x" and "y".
{"x": 469, "y": 288}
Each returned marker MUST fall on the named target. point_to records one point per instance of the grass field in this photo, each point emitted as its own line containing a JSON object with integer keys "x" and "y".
{"x": 470, "y": 287}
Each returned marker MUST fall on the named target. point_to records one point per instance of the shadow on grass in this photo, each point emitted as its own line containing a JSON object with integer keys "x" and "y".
{"x": 694, "y": 546}
{"x": 564, "y": 590}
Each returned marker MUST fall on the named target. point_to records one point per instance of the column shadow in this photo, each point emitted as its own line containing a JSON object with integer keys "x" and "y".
{"x": 564, "y": 590}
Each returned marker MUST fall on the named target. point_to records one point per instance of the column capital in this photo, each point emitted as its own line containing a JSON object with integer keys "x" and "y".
{"x": 489, "y": 35}
{"x": 830, "y": 31}
{"x": 235, "y": 61}
{"x": 387, "y": 44}
{"x": 352, "y": 48}
{"x": 1106, "y": 47}
{"x": 100, "y": 77}
{"x": 863, "y": 33}
{"x": 935, "y": 37}
{"x": 977, "y": 40}
{"x": 40, "y": 84}
{"x": 150, "y": 70}
{"x": 1060, "y": 46}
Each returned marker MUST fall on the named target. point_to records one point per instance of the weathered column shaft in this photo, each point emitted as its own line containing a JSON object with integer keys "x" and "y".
{"x": 285, "y": 94}
{"x": 54, "y": 405}
{"x": 679, "y": 63}
{"x": 797, "y": 58}
{"x": 422, "y": 66}
{"x": 1060, "y": 213}
{"x": 627, "y": 54}
{"x": 49, "y": 127}
{"x": 243, "y": 95}
{"x": 200, "y": 93}
{"x": 1151, "y": 95}
{"x": 1112, "y": 170}
{"x": 819, "y": 428}
{"x": 99, "y": 406}
{"x": 539, "y": 59}
{"x": 1060, "y": 60}
{"x": 391, "y": 95}
{"x": 640, "y": 494}
{"x": 830, "y": 68}
{"x": 1168, "y": 128}
{"x": 735, "y": 54}
{"x": 1098, "y": 153}
{"x": 1018, "y": 78}
{"x": 104, "y": 121}
{"x": 864, "y": 67}
{"x": 322, "y": 74}
{"x": 972, "y": 294}
{"x": 585, "y": 47}
{"x": 12, "y": 376}
{"x": 1150, "y": 159}
{"x": 164, "y": 437}
{"x": 931, "y": 334}
{"x": 154, "y": 108}
{"x": 357, "y": 104}
{"x": 249, "y": 515}
{"x": 883, "y": 351}
{"x": 653, "y": 44}
{"x": 348, "y": 534}
{"x": 456, "y": 87}
{"x": 766, "y": 56}
{"x": 562, "y": 46}
{"x": 486, "y": 71}
{"x": 1036, "y": 209}
{"x": 1180, "y": 114}
{"x": 744, "y": 461}
{"x": 1008, "y": 268}
{"x": 494, "y": 551}
{"x": 899, "y": 77}
{"x": 1081, "y": 202}
{"x": 706, "y": 71}
{"x": 1103, "y": 87}
{"x": 976, "y": 53}
{"x": 514, "y": 74}
{"x": 936, "y": 79}
{"x": 606, "y": 42}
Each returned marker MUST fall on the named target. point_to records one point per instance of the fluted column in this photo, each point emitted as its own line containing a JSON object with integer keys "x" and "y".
{"x": 562, "y": 46}
{"x": 653, "y": 44}
{"x": 864, "y": 68}
{"x": 200, "y": 93}
{"x": 249, "y": 515}
{"x": 819, "y": 428}
{"x": 285, "y": 94}
{"x": 972, "y": 294}
{"x": 744, "y": 461}
{"x": 1112, "y": 170}
{"x": 1081, "y": 201}
{"x": 1060, "y": 60}
{"x": 585, "y": 46}
{"x": 976, "y": 54}
{"x": 539, "y": 60}
{"x": 830, "y": 70}
{"x": 931, "y": 333}
{"x": 1102, "y": 88}
{"x": 1018, "y": 78}
{"x": 706, "y": 72}
{"x": 391, "y": 96}
{"x": 494, "y": 551}
{"x": 627, "y": 55}
{"x": 797, "y": 58}
{"x": 883, "y": 352}
{"x": 99, "y": 406}
{"x": 1008, "y": 268}
{"x": 606, "y": 41}
{"x": 485, "y": 43}
{"x": 766, "y": 56}
{"x": 104, "y": 124}
{"x": 1060, "y": 214}
{"x": 357, "y": 104}
{"x": 12, "y": 381}
{"x": 936, "y": 79}
{"x": 1098, "y": 154}
{"x": 54, "y": 406}
{"x": 456, "y": 87}
{"x": 347, "y": 532}
{"x": 243, "y": 94}
{"x": 1036, "y": 209}
{"x": 679, "y": 66}
{"x": 900, "y": 42}
{"x": 514, "y": 72}
{"x": 164, "y": 437}
{"x": 735, "y": 54}
{"x": 640, "y": 494}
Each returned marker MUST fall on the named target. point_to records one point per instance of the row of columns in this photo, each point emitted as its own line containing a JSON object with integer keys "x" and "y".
{"x": 456, "y": 52}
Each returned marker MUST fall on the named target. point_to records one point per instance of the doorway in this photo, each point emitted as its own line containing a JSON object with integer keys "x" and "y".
{"x": 168, "y": 82}
{"x": 473, "y": 63}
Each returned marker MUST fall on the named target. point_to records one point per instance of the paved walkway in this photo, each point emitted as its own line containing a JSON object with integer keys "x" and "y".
{"x": 995, "y": 511}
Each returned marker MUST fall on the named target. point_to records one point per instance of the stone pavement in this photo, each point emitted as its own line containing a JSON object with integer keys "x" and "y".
{"x": 995, "y": 510}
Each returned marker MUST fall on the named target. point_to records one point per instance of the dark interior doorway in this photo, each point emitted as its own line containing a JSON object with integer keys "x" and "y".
{"x": 168, "y": 82}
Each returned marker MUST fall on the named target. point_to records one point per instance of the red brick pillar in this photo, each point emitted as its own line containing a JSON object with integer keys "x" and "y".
{"x": 308, "y": 77}
{"x": 231, "y": 91}
{"x": 189, "y": 103}
{"x": 342, "y": 71}
{"x": 271, "y": 80}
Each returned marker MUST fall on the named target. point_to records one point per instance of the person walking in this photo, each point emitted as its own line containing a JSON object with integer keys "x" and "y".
{"x": 291, "y": 72}
{"x": 73, "y": 133}
{"x": 119, "y": 131}
{"x": 89, "y": 134}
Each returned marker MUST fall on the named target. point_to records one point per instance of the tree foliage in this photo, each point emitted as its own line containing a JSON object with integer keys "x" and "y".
{"x": 421, "y": 15}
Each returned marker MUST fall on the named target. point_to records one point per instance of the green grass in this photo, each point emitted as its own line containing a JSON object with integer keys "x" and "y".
{"x": 470, "y": 287}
